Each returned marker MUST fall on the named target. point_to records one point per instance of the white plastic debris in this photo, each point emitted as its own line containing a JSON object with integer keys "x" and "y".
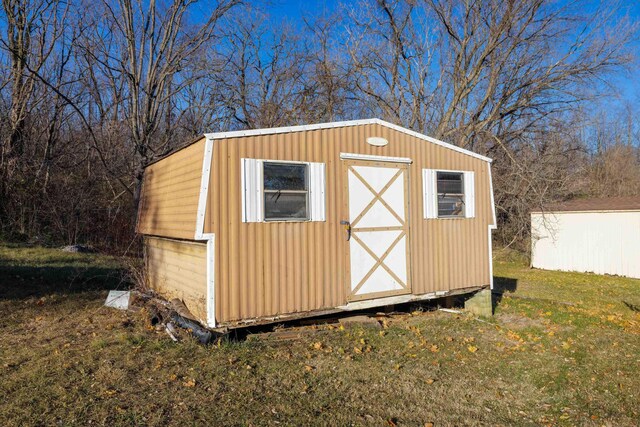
{"x": 171, "y": 331}
{"x": 449, "y": 310}
{"x": 118, "y": 299}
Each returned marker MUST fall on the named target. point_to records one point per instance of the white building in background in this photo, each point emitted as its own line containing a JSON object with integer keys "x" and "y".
{"x": 588, "y": 235}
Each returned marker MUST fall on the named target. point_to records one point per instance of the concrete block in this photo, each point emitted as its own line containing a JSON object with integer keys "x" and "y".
{"x": 480, "y": 303}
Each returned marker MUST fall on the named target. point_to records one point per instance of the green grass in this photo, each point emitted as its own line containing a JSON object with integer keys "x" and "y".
{"x": 562, "y": 349}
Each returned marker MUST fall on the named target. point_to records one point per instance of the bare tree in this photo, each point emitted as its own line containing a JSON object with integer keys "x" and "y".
{"x": 330, "y": 73}
{"x": 91, "y": 92}
{"x": 263, "y": 77}
{"x": 33, "y": 29}
{"x": 141, "y": 49}
{"x": 614, "y": 167}
{"x": 392, "y": 51}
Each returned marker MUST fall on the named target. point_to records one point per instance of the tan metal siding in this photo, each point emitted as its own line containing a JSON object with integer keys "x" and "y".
{"x": 170, "y": 193}
{"x": 178, "y": 269}
{"x": 267, "y": 269}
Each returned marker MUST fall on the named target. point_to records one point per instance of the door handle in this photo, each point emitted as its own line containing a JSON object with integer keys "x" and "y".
{"x": 347, "y": 227}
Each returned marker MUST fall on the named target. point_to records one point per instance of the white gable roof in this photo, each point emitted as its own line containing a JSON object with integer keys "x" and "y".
{"x": 289, "y": 129}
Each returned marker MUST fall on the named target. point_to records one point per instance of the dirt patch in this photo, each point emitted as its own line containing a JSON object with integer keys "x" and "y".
{"x": 514, "y": 321}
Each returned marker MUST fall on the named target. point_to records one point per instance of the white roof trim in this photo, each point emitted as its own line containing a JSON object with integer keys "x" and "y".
{"x": 289, "y": 129}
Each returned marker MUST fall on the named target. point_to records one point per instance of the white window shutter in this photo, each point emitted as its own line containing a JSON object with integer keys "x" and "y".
{"x": 469, "y": 195}
{"x": 317, "y": 191}
{"x": 429, "y": 193}
{"x": 251, "y": 172}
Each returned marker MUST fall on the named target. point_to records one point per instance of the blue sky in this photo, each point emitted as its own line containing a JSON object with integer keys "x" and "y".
{"x": 295, "y": 9}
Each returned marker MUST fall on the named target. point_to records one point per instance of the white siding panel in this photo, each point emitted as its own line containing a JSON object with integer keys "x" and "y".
{"x": 596, "y": 242}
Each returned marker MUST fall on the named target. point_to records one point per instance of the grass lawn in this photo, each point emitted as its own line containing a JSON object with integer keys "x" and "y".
{"x": 562, "y": 349}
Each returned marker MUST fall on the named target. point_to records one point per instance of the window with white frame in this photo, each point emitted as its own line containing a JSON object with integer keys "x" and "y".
{"x": 450, "y": 187}
{"x": 286, "y": 191}
{"x": 448, "y": 194}
{"x": 275, "y": 190}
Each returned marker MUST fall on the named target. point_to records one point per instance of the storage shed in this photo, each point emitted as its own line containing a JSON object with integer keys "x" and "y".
{"x": 264, "y": 225}
{"x": 588, "y": 235}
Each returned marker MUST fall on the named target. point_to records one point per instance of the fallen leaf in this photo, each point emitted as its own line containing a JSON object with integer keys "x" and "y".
{"x": 190, "y": 383}
{"x": 430, "y": 381}
{"x": 317, "y": 345}
{"x": 309, "y": 368}
{"x": 472, "y": 348}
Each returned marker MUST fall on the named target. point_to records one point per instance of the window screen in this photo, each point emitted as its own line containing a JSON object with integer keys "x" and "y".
{"x": 286, "y": 191}
{"x": 450, "y": 187}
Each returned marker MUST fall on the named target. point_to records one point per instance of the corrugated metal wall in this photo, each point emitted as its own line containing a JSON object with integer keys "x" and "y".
{"x": 171, "y": 189}
{"x": 597, "y": 242}
{"x": 265, "y": 269}
{"x": 178, "y": 269}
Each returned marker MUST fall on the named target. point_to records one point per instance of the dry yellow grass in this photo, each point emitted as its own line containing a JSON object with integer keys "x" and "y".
{"x": 563, "y": 349}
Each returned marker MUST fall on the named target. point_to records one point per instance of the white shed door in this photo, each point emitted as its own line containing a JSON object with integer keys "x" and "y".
{"x": 379, "y": 240}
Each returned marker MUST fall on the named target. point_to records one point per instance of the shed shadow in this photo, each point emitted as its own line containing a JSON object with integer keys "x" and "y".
{"x": 501, "y": 285}
{"x": 19, "y": 281}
